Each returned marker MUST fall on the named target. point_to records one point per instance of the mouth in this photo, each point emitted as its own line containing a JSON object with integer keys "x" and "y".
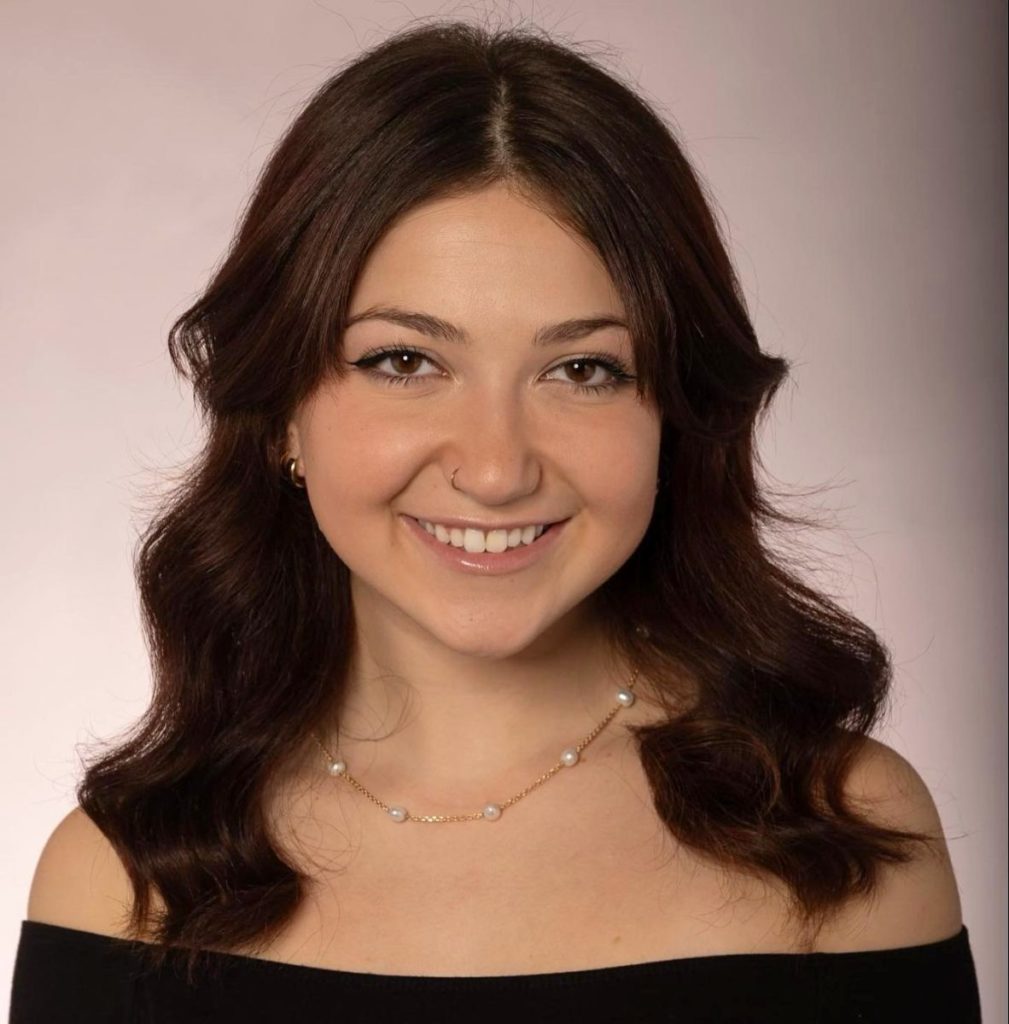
{"x": 488, "y": 562}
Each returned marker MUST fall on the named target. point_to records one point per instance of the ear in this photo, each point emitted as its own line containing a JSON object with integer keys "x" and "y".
{"x": 293, "y": 440}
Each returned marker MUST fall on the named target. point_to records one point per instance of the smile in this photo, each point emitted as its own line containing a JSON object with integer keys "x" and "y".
{"x": 477, "y": 541}
{"x": 494, "y": 553}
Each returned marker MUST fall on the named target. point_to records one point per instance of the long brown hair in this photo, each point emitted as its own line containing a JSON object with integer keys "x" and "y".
{"x": 247, "y": 609}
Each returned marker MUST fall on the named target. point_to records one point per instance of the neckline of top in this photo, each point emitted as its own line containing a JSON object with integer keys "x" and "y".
{"x": 238, "y": 961}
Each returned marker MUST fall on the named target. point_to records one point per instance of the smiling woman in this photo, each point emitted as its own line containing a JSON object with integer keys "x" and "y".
{"x": 482, "y": 395}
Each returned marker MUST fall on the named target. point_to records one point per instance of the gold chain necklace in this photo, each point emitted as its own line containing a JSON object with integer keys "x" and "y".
{"x": 570, "y": 756}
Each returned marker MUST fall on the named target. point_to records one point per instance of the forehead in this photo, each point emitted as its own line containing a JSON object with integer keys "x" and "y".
{"x": 489, "y": 250}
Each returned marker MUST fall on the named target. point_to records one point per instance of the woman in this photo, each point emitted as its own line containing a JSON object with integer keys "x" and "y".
{"x": 478, "y": 689}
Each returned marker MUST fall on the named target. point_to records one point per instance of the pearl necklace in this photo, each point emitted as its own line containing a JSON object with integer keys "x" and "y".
{"x": 570, "y": 756}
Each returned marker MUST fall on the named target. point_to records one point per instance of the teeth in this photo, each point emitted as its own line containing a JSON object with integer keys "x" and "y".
{"x": 476, "y": 541}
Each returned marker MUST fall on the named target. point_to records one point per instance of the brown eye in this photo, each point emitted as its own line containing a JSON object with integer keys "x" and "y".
{"x": 408, "y": 361}
{"x": 400, "y": 359}
{"x": 584, "y": 369}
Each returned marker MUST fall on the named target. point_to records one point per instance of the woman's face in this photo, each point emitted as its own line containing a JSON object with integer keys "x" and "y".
{"x": 378, "y": 449}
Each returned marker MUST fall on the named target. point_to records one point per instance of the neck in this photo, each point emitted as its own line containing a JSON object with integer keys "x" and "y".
{"x": 443, "y": 731}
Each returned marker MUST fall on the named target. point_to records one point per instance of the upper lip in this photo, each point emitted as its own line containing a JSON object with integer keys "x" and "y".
{"x": 472, "y": 524}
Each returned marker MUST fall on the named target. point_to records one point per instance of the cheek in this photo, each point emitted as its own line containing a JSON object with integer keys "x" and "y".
{"x": 345, "y": 469}
{"x": 616, "y": 466}
{"x": 623, "y": 503}
{"x": 350, "y": 448}
{"x": 345, "y": 486}
{"x": 345, "y": 491}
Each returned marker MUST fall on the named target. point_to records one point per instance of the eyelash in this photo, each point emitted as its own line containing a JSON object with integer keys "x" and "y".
{"x": 612, "y": 366}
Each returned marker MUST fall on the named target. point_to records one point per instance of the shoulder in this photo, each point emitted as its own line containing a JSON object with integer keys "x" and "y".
{"x": 79, "y": 880}
{"x": 914, "y": 903}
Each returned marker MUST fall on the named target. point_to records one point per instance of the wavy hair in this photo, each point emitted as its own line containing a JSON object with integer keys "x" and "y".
{"x": 246, "y": 608}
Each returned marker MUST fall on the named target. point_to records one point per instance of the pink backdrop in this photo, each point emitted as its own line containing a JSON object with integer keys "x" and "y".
{"x": 856, "y": 149}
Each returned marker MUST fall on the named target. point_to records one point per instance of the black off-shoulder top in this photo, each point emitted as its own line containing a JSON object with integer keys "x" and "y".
{"x": 64, "y": 975}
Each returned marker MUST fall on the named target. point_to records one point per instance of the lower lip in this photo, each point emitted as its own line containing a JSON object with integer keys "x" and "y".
{"x": 487, "y": 563}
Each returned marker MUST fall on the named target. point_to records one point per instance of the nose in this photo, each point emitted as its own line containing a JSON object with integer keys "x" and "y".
{"x": 495, "y": 452}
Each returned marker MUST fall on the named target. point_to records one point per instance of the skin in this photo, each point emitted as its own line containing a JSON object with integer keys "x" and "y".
{"x": 471, "y": 685}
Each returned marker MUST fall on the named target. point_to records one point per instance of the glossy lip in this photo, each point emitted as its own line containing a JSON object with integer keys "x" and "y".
{"x": 487, "y": 564}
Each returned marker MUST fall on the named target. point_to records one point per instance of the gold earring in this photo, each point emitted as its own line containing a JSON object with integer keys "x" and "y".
{"x": 291, "y": 469}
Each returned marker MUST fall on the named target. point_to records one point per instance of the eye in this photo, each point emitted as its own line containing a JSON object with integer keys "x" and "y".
{"x": 401, "y": 358}
{"x": 616, "y": 370}
{"x": 409, "y": 359}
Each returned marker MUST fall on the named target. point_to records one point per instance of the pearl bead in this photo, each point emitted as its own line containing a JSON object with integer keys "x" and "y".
{"x": 492, "y": 812}
{"x": 398, "y": 813}
{"x": 569, "y": 756}
{"x": 337, "y": 767}
{"x": 625, "y": 697}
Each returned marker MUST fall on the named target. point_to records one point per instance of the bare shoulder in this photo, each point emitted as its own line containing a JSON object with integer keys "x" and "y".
{"x": 79, "y": 880}
{"x": 917, "y": 902}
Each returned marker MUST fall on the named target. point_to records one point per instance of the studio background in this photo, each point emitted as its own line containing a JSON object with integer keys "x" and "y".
{"x": 856, "y": 150}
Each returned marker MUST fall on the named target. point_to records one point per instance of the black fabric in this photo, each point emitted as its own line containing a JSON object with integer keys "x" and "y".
{"x": 66, "y": 975}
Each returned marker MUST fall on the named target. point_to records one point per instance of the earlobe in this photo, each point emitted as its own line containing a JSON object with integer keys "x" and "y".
{"x": 292, "y": 456}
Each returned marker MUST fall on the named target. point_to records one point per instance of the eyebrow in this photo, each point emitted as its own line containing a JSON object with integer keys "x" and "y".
{"x": 435, "y": 327}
